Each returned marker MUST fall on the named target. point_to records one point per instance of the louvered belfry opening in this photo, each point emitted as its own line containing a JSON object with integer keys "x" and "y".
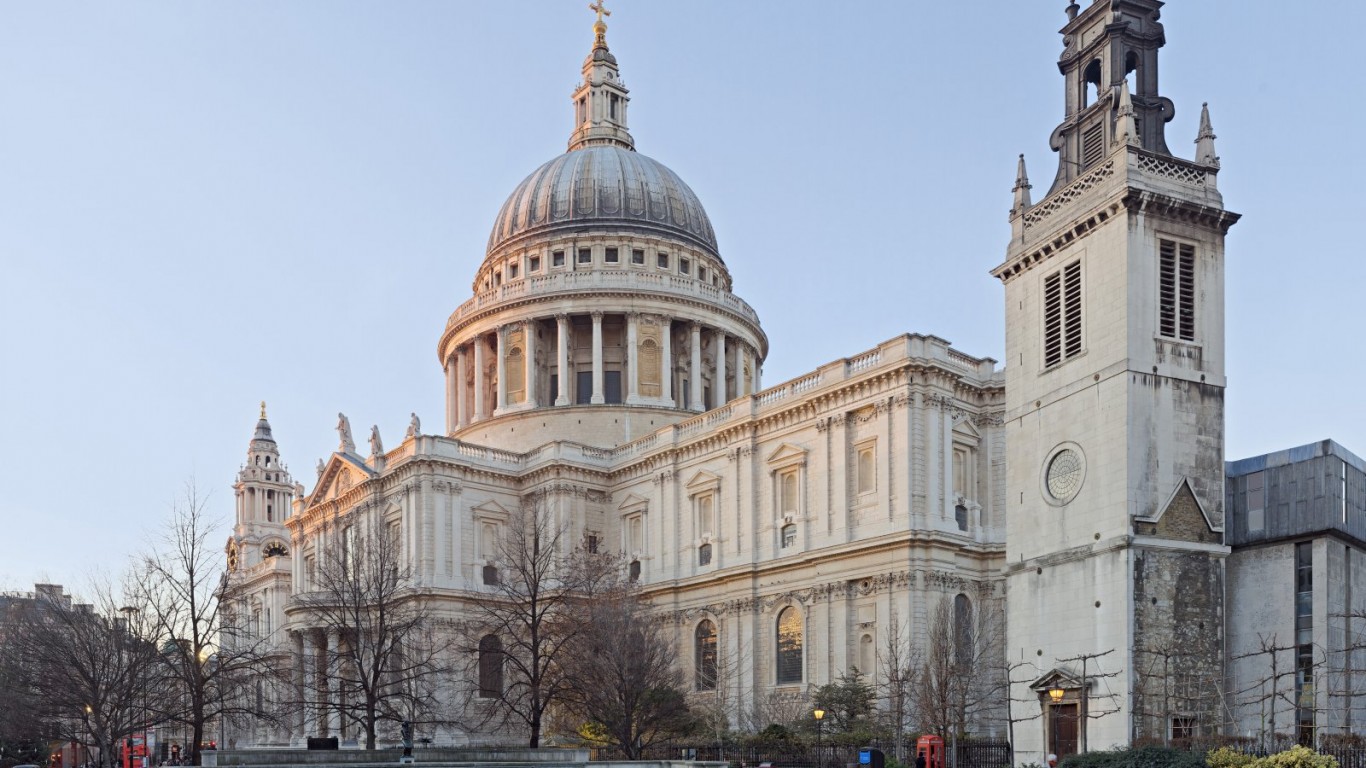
{"x": 1062, "y": 337}
{"x": 1176, "y": 290}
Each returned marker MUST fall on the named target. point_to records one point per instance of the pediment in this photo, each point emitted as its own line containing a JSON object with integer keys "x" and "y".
{"x": 631, "y": 503}
{"x": 1056, "y": 677}
{"x": 1182, "y": 517}
{"x": 341, "y": 473}
{"x": 787, "y": 453}
{"x": 490, "y": 510}
{"x": 963, "y": 427}
{"x": 702, "y": 481}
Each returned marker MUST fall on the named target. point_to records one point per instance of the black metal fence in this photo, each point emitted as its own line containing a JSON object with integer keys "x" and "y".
{"x": 970, "y": 754}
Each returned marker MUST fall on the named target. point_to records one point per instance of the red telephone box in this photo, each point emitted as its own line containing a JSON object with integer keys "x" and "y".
{"x": 932, "y": 749}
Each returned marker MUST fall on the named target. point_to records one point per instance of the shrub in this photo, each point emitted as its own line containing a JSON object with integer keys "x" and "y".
{"x": 1136, "y": 757}
{"x": 1297, "y": 757}
{"x": 1224, "y": 757}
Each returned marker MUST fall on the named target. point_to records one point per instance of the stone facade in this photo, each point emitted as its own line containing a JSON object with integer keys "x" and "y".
{"x": 605, "y": 368}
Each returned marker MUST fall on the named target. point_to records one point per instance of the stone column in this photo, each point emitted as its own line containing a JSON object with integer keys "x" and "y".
{"x": 529, "y": 331}
{"x": 719, "y": 385}
{"x": 667, "y": 375}
{"x": 301, "y": 725}
{"x": 695, "y": 370}
{"x": 746, "y": 362}
{"x": 452, "y": 383}
{"x": 331, "y": 717}
{"x": 597, "y": 398}
{"x": 632, "y": 366}
{"x": 502, "y": 367}
{"x": 461, "y": 361}
{"x": 562, "y": 359}
{"x": 479, "y": 384}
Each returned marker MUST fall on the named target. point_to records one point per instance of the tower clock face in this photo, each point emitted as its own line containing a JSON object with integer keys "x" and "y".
{"x": 1063, "y": 473}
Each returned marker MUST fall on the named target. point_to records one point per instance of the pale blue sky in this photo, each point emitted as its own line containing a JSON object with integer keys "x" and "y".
{"x": 207, "y": 204}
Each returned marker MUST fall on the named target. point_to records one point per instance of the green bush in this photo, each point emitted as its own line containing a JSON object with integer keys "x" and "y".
{"x": 1297, "y": 757}
{"x": 1136, "y": 757}
{"x": 1224, "y": 757}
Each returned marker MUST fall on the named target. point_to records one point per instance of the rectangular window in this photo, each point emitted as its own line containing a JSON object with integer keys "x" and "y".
{"x": 512, "y": 271}
{"x": 702, "y": 274}
{"x": 787, "y": 493}
{"x": 557, "y": 259}
{"x": 866, "y": 470}
{"x": 1256, "y": 502}
{"x": 585, "y": 255}
{"x": 637, "y": 256}
{"x": 704, "y": 554}
{"x": 1093, "y": 145}
{"x": 706, "y": 515}
{"x": 534, "y": 264}
{"x": 789, "y": 534}
{"x": 663, "y": 260}
{"x": 591, "y": 543}
{"x": 683, "y": 265}
{"x": 583, "y": 387}
{"x": 1176, "y": 290}
{"x": 1062, "y": 315}
{"x": 610, "y": 256}
{"x": 611, "y": 386}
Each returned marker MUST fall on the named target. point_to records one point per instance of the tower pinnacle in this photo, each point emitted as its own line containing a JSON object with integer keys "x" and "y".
{"x": 600, "y": 100}
{"x": 1204, "y": 141}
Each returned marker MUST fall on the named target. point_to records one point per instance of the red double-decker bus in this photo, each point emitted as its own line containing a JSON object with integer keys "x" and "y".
{"x": 135, "y": 751}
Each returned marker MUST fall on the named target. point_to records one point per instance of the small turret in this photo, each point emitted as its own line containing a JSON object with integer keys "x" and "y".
{"x": 1021, "y": 190}
{"x": 1126, "y": 130}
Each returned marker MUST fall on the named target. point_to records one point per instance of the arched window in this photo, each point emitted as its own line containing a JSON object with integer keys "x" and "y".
{"x": 704, "y": 656}
{"x": 960, "y": 515}
{"x": 490, "y": 667}
{"x": 962, "y": 628}
{"x": 789, "y": 646}
{"x": 633, "y": 571}
{"x": 491, "y": 575}
{"x": 1091, "y": 83}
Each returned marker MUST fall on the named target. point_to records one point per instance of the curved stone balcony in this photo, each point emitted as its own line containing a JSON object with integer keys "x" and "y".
{"x": 608, "y": 281}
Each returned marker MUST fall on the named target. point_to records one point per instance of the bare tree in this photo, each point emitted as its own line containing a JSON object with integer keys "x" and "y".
{"x": 81, "y": 666}
{"x": 1011, "y": 672}
{"x": 1274, "y": 690}
{"x": 717, "y": 709}
{"x": 960, "y": 678}
{"x": 623, "y": 673}
{"x": 208, "y": 660}
{"x": 536, "y": 585}
{"x": 900, "y": 665}
{"x": 389, "y": 656}
{"x": 1093, "y": 706}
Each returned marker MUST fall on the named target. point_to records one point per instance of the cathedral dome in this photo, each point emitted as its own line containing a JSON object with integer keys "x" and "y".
{"x": 603, "y": 184}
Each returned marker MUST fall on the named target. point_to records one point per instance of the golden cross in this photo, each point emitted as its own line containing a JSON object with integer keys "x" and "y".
{"x": 602, "y": 11}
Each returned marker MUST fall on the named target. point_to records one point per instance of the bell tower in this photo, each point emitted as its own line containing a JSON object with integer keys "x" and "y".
{"x": 1111, "y": 45}
{"x": 264, "y": 493}
{"x": 1114, "y": 299}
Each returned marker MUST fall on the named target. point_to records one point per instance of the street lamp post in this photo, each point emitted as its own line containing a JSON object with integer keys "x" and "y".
{"x": 819, "y": 715}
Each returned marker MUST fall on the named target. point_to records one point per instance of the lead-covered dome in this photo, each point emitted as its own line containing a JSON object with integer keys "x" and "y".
{"x": 603, "y": 185}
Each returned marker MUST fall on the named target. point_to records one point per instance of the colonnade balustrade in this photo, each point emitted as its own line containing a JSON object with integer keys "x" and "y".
{"x": 596, "y": 358}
